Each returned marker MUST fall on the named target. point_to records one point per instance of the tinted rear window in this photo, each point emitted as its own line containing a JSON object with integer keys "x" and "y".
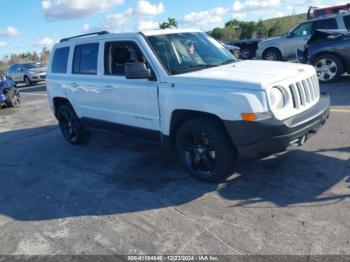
{"x": 85, "y": 59}
{"x": 60, "y": 60}
{"x": 347, "y": 21}
{"x": 330, "y": 23}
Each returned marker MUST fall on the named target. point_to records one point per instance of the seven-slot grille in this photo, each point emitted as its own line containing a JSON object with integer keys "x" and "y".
{"x": 305, "y": 92}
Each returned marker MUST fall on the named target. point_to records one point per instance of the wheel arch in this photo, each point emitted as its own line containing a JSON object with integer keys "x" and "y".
{"x": 26, "y": 76}
{"x": 180, "y": 116}
{"x": 323, "y": 53}
{"x": 59, "y": 101}
{"x": 272, "y": 47}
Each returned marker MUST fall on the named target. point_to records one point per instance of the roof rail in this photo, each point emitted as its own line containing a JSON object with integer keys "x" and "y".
{"x": 84, "y": 35}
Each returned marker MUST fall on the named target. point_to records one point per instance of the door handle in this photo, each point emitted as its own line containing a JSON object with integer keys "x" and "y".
{"x": 74, "y": 85}
{"x": 109, "y": 87}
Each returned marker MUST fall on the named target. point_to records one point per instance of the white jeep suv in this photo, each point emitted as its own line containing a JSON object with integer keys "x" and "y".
{"x": 183, "y": 89}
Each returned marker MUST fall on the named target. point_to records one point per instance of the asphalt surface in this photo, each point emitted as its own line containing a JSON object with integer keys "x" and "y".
{"x": 120, "y": 196}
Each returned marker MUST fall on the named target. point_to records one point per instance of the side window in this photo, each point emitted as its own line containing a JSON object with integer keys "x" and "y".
{"x": 119, "y": 53}
{"x": 85, "y": 59}
{"x": 12, "y": 69}
{"x": 347, "y": 21}
{"x": 60, "y": 60}
{"x": 329, "y": 23}
{"x": 302, "y": 30}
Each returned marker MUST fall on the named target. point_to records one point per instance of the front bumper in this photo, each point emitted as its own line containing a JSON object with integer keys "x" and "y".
{"x": 263, "y": 138}
{"x": 259, "y": 53}
{"x": 38, "y": 77}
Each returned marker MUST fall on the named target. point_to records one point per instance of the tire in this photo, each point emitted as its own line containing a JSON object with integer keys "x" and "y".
{"x": 205, "y": 150}
{"x": 246, "y": 53}
{"x": 71, "y": 127}
{"x": 329, "y": 68}
{"x": 27, "y": 81}
{"x": 272, "y": 54}
{"x": 13, "y": 98}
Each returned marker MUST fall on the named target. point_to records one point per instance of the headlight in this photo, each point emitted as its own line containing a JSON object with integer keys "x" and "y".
{"x": 277, "y": 99}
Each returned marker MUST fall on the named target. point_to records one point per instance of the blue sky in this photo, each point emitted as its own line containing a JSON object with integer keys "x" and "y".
{"x": 28, "y": 25}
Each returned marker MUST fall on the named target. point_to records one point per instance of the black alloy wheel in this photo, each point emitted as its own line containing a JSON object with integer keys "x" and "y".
{"x": 205, "y": 150}
{"x": 71, "y": 126}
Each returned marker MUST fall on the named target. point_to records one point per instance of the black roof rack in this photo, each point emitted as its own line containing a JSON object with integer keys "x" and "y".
{"x": 78, "y": 36}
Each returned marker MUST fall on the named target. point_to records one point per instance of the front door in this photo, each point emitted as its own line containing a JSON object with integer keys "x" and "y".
{"x": 129, "y": 102}
{"x": 298, "y": 38}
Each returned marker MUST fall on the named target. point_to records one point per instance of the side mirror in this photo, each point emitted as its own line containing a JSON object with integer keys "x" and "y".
{"x": 137, "y": 70}
{"x": 289, "y": 34}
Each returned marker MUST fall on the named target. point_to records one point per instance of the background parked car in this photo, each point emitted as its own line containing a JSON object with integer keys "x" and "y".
{"x": 235, "y": 50}
{"x": 28, "y": 73}
{"x": 284, "y": 47}
{"x": 329, "y": 52}
{"x": 247, "y": 47}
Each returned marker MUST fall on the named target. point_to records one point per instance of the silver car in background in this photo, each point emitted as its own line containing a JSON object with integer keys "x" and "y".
{"x": 283, "y": 48}
{"x": 28, "y": 73}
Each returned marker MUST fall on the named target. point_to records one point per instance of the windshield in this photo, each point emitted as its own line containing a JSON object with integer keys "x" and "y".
{"x": 185, "y": 52}
{"x": 32, "y": 65}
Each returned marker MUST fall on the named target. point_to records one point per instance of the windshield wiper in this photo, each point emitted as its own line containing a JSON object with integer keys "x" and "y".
{"x": 203, "y": 65}
{"x": 226, "y": 62}
{"x": 200, "y": 66}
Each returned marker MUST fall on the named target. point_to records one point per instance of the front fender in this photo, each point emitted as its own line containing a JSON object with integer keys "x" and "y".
{"x": 225, "y": 103}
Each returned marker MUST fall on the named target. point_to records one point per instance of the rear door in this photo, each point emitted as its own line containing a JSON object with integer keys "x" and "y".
{"x": 84, "y": 79}
{"x": 299, "y": 36}
{"x": 11, "y": 72}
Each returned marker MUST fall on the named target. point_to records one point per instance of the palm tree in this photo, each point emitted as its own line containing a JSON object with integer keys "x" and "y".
{"x": 171, "y": 23}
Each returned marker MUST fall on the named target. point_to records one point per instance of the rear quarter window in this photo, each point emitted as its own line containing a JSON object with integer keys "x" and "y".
{"x": 347, "y": 21}
{"x": 85, "y": 59}
{"x": 60, "y": 60}
{"x": 329, "y": 23}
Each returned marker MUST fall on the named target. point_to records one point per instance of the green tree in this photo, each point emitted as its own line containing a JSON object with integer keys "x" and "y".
{"x": 171, "y": 23}
{"x": 45, "y": 54}
{"x": 275, "y": 30}
{"x": 218, "y": 33}
{"x": 261, "y": 29}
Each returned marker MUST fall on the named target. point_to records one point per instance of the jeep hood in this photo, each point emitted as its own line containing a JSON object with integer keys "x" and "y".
{"x": 243, "y": 74}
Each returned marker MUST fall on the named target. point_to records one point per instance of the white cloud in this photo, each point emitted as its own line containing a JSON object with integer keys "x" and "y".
{"x": 211, "y": 18}
{"x": 145, "y": 8}
{"x": 142, "y": 13}
{"x": 75, "y": 9}
{"x": 147, "y": 25}
{"x": 114, "y": 22}
{"x": 239, "y": 15}
{"x": 45, "y": 42}
{"x": 254, "y": 4}
{"x": 9, "y": 31}
{"x": 3, "y": 44}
